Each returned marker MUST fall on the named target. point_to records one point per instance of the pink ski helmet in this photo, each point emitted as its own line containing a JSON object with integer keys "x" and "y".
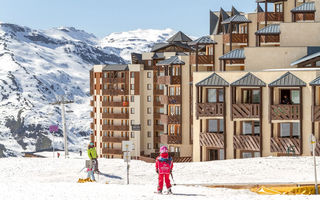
{"x": 163, "y": 149}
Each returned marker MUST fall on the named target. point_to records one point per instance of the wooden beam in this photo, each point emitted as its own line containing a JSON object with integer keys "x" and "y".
{"x": 313, "y": 103}
{"x": 265, "y": 13}
{"x": 261, "y": 122}
{"x": 231, "y": 101}
{"x": 230, "y": 37}
{"x": 224, "y": 123}
{"x": 213, "y": 58}
{"x": 197, "y": 49}
{"x": 247, "y": 34}
{"x": 301, "y": 121}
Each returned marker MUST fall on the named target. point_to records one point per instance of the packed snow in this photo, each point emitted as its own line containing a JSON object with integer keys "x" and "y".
{"x": 53, "y": 178}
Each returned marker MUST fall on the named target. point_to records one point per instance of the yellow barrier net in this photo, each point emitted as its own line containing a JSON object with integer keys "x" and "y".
{"x": 303, "y": 190}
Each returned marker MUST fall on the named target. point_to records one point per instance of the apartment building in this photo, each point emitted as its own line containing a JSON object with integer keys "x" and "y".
{"x": 219, "y": 96}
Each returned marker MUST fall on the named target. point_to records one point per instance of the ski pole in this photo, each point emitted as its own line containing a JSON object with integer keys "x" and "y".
{"x": 82, "y": 169}
{"x": 172, "y": 179}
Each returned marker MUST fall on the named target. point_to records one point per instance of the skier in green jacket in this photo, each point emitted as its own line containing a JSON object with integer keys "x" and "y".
{"x": 92, "y": 153}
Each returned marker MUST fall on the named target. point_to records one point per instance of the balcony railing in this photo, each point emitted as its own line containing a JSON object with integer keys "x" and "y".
{"x": 92, "y": 114}
{"x": 91, "y": 103}
{"x": 304, "y": 17}
{"x": 115, "y": 92}
{"x": 92, "y": 125}
{"x": 115, "y": 104}
{"x": 171, "y": 139}
{"x": 285, "y": 145}
{"x": 111, "y": 151}
{"x": 285, "y": 112}
{"x": 214, "y": 140}
{"x": 245, "y": 110}
{"x": 236, "y": 38}
{"x": 202, "y": 59}
{"x": 158, "y": 92}
{"x": 115, "y": 127}
{"x": 113, "y": 80}
{"x": 157, "y": 103}
{"x": 209, "y": 109}
{"x": 158, "y": 127}
{"x": 170, "y": 119}
{"x": 170, "y": 99}
{"x": 115, "y": 115}
{"x": 316, "y": 113}
{"x": 246, "y": 142}
{"x": 169, "y": 80}
{"x": 157, "y": 115}
{"x": 271, "y": 16}
{"x": 270, "y": 39}
{"x": 175, "y": 80}
{"x": 114, "y": 139}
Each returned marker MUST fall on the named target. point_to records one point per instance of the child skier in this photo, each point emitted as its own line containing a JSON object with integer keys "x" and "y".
{"x": 164, "y": 165}
{"x": 90, "y": 170}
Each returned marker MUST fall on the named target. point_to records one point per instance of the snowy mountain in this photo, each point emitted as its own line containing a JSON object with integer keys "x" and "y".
{"x": 138, "y": 41}
{"x": 36, "y": 67}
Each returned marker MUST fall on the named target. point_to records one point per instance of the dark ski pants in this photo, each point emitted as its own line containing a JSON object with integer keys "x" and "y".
{"x": 166, "y": 179}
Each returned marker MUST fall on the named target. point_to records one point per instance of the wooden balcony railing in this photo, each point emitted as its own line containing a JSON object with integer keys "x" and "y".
{"x": 157, "y": 103}
{"x": 285, "y": 112}
{"x": 214, "y": 140}
{"x": 171, "y": 139}
{"x": 113, "y": 80}
{"x": 163, "y": 80}
{"x": 170, "y": 119}
{"x": 114, "y": 139}
{"x": 202, "y": 59}
{"x": 115, "y": 115}
{"x": 245, "y": 110}
{"x": 236, "y": 38}
{"x": 285, "y": 145}
{"x": 271, "y": 16}
{"x": 157, "y": 115}
{"x": 175, "y": 80}
{"x": 158, "y": 127}
{"x": 115, "y": 104}
{"x": 91, "y": 103}
{"x": 111, "y": 151}
{"x": 170, "y": 99}
{"x": 246, "y": 142}
{"x": 92, "y": 125}
{"x": 304, "y": 17}
{"x": 115, "y": 92}
{"x": 115, "y": 127}
{"x": 316, "y": 113}
{"x": 270, "y": 39}
{"x": 209, "y": 109}
{"x": 92, "y": 114}
{"x": 158, "y": 92}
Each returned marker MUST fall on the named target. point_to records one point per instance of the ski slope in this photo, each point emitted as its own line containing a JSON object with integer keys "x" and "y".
{"x": 53, "y": 178}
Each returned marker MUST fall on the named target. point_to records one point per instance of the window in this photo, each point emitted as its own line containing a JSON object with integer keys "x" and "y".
{"x": 290, "y": 96}
{"x": 149, "y": 98}
{"x": 249, "y": 154}
{"x": 132, "y": 74}
{"x": 215, "y": 125}
{"x": 149, "y": 74}
{"x": 174, "y": 110}
{"x": 132, "y": 110}
{"x": 149, "y": 63}
{"x": 290, "y": 130}
{"x": 132, "y": 134}
{"x": 132, "y": 98}
{"x": 149, "y": 122}
{"x": 214, "y": 95}
{"x": 149, "y": 146}
{"x": 132, "y": 86}
{"x": 149, "y": 87}
{"x": 171, "y": 91}
{"x": 149, "y": 134}
{"x": 251, "y": 128}
{"x": 133, "y": 146}
{"x": 149, "y": 110}
{"x": 105, "y": 86}
{"x": 251, "y": 96}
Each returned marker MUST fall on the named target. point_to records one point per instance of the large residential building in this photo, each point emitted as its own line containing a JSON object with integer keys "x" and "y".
{"x": 249, "y": 89}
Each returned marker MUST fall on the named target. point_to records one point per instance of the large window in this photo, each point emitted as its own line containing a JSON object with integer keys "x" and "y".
{"x": 250, "y": 154}
{"x": 251, "y": 96}
{"x": 174, "y": 90}
{"x": 251, "y": 128}
{"x": 290, "y": 130}
{"x": 289, "y": 96}
{"x": 174, "y": 110}
{"x": 215, "y": 125}
{"x": 214, "y": 95}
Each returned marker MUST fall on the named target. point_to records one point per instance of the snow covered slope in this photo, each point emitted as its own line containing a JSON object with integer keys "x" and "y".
{"x": 47, "y": 178}
{"x": 37, "y": 66}
{"x": 138, "y": 41}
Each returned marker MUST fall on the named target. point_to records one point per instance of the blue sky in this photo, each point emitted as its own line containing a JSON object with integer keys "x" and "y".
{"x": 102, "y": 17}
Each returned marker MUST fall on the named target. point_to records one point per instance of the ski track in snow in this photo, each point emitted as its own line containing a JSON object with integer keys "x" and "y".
{"x": 48, "y": 178}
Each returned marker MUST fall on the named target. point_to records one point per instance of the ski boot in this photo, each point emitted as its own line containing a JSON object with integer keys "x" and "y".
{"x": 169, "y": 191}
{"x": 159, "y": 192}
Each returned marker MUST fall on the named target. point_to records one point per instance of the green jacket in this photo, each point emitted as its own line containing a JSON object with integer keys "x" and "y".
{"x": 92, "y": 153}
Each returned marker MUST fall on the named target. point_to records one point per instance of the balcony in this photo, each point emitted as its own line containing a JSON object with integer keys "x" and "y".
{"x": 92, "y": 125}
{"x": 158, "y": 127}
{"x": 214, "y": 140}
{"x": 115, "y": 92}
{"x": 169, "y": 80}
{"x": 92, "y": 114}
{"x": 271, "y": 16}
{"x": 114, "y": 139}
{"x": 115, "y": 115}
{"x": 202, "y": 59}
{"x": 209, "y": 109}
{"x": 115, "y": 127}
{"x": 91, "y": 103}
{"x": 115, "y": 104}
{"x": 246, "y": 142}
{"x": 157, "y": 103}
{"x": 170, "y": 119}
{"x": 270, "y": 39}
{"x": 316, "y": 113}
{"x": 246, "y": 110}
{"x": 157, "y": 115}
{"x": 171, "y": 139}
{"x": 304, "y": 17}
{"x": 236, "y": 38}
{"x": 158, "y": 92}
{"x": 111, "y": 151}
{"x": 113, "y": 80}
{"x": 283, "y": 145}
{"x": 285, "y": 112}
{"x": 170, "y": 99}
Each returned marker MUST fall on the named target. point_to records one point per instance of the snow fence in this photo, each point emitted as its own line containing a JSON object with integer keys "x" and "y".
{"x": 304, "y": 190}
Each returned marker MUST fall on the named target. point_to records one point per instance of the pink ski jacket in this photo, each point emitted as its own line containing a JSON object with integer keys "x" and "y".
{"x": 164, "y": 164}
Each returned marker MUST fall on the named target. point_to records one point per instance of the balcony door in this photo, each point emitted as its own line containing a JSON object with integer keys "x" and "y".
{"x": 215, "y": 95}
{"x": 215, "y": 154}
{"x": 251, "y": 96}
{"x": 289, "y": 96}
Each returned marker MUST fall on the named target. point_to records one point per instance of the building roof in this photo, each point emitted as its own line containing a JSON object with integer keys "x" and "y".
{"x": 234, "y": 11}
{"x": 173, "y": 60}
{"x": 203, "y": 40}
{"x": 249, "y": 80}
{"x": 234, "y": 54}
{"x": 213, "y": 22}
{"x": 272, "y": 29}
{"x": 260, "y": 9}
{"x": 158, "y": 55}
{"x": 213, "y": 80}
{"x": 115, "y": 67}
{"x": 315, "y": 81}
{"x": 179, "y": 37}
{"x": 288, "y": 79}
{"x": 159, "y": 46}
{"x": 306, "y": 58}
{"x": 237, "y": 19}
{"x": 269, "y": 1}
{"x": 306, "y": 7}
{"x": 136, "y": 58}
